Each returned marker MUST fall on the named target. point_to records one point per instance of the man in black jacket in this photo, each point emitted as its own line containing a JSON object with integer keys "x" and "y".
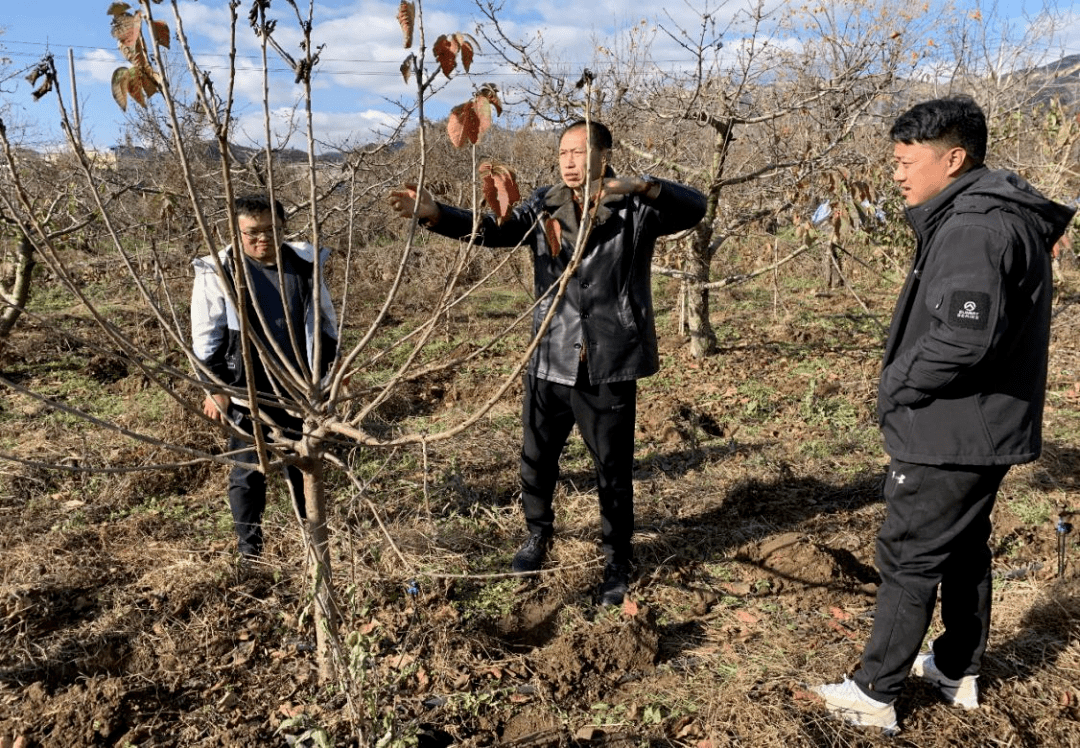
{"x": 959, "y": 402}
{"x": 602, "y": 337}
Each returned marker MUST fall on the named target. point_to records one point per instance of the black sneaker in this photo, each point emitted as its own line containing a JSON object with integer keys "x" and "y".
{"x": 531, "y": 554}
{"x": 250, "y": 552}
{"x": 615, "y": 585}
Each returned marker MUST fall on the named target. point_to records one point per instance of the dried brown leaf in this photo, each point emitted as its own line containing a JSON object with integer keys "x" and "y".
{"x": 119, "y": 87}
{"x": 500, "y": 188}
{"x": 463, "y": 124}
{"x": 553, "y": 234}
{"x": 406, "y": 17}
{"x": 482, "y": 107}
{"x": 141, "y": 84}
{"x": 126, "y": 29}
{"x": 445, "y": 51}
{"x": 160, "y": 30}
{"x": 467, "y": 45}
{"x": 491, "y": 92}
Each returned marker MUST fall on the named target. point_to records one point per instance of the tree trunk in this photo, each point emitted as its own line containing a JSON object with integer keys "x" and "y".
{"x": 830, "y": 264}
{"x": 15, "y": 298}
{"x": 326, "y": 615}
{"x": 702, "y": 335}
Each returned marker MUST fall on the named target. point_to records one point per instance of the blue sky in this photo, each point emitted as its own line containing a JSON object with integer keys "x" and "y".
{"x": 358, "y": 80}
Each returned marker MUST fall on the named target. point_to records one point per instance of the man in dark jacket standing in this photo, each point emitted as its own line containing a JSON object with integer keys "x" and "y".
{"x": 960, "y": 401}
{"x": 602, "y": 337}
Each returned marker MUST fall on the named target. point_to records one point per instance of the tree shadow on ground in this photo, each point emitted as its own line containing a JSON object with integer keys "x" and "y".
{"x": 754, "y": 508}
{"x": 1047, "y": 629}
{"x": 78, "y": 657}
{"x": 497, "y": 483}
{"x": 775, "y": 515}
{"x": 1061, "y": 463}
{"x": 750, "y": 511}
{"x": 1031, "y": 656}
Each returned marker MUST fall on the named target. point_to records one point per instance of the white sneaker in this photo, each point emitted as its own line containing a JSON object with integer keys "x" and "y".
{"x": 963, "y": 693}
{"x": 847, "y": 701}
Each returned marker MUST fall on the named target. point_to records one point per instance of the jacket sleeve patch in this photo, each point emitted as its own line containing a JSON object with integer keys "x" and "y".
{"x": 969, "y": 309}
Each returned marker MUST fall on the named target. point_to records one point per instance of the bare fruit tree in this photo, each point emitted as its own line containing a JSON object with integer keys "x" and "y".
{"x": 769, "y": 110}
{"x": 190, "y": 218}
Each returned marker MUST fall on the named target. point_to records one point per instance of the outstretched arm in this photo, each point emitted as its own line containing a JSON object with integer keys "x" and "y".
{"x": 403, "y": 200}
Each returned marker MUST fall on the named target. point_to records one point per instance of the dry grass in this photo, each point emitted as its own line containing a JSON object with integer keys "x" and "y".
{"x": 126, "y": 620}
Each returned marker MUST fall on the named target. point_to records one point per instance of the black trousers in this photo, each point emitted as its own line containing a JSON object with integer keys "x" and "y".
{"x": 935, "y": 535}
{"x": 605, "y": 415}
{"x": 247, "y": 486}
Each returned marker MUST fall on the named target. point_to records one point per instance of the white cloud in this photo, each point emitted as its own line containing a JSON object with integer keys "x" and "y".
{"x": 353, "y": 128}
{"x": 211, "y": 22}
{"x": 332, "y": 129}
{"x": 99, "y": 64}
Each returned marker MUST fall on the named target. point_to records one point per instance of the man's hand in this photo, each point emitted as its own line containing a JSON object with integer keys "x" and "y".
{"x": 631, "y": 185}
{"x": 214, "y": 406}
{"x": 402, "y": 202}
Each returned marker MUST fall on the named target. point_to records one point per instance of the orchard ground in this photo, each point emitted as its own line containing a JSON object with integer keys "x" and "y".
{"x": 126, "y": 619}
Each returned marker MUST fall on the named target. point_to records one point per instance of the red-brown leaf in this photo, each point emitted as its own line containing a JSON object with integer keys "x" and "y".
{"x": 147, "y": 79}
{"x": 139, "y": 56}
{"x": 500, "y": 188}
{"x": 160, "y": 30}
{"x": 463, "y": 124}
{"x": 140, "y": 83}
{"x": 746, "y": 616}
{"x": 134, "y": 88}
{"x": 118, "y": 8}
{"x": 406, "y": 16}
{"x": 445, "y": 51}
{"x": 482, "y": 107}
{"x": 119, "y": 87}
{"x": 126, "y": 28}
{"x": 406, "y": 67}
{"x": 491, "y": 92}
{"x": 841, "y": 629}
{"x": 466, "y": 44}
{"x": 553, "y": 234}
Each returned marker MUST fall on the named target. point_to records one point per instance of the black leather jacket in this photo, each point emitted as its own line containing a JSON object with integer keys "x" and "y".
{"x": 965, "y": 366}
{"x": 608, "y": 304}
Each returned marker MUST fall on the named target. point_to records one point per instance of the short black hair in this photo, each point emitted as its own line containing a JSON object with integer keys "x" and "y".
{"x": 253, "y": 205}
{"x": 953, "y": 122}
{"x": 599, "y": 134}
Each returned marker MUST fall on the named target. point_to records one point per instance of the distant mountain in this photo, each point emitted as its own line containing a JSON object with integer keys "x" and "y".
{"x": 1056, "y": 80}
{"x": 240, "y": 153}
{"x": 1065, "y": 68}
{"x": 243, "y": 154}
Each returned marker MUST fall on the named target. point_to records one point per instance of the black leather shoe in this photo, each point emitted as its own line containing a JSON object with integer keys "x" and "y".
{"x": 531, "y": 554}
{"x": 615, "y": 585}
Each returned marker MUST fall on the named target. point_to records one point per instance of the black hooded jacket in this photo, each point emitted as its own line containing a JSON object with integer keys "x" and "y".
{"x": 964, "y": 375}
{"x": 608, "y": 304}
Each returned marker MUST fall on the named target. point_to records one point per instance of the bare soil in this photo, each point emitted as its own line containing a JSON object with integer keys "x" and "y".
{"x": 126, "y": 620}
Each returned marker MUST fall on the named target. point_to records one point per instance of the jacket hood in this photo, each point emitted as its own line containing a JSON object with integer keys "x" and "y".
{"x": 982, "y": 190}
